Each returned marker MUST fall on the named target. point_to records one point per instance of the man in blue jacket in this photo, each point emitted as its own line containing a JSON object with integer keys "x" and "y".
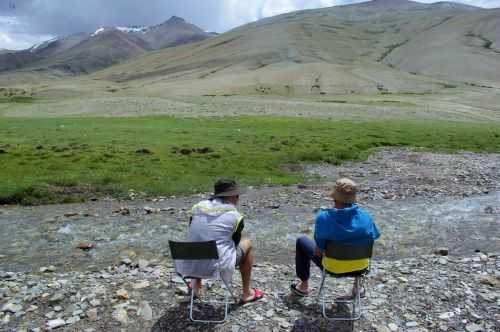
{"x": 347, "y": 223}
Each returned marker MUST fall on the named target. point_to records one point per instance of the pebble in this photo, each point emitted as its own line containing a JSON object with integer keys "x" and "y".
{"x": 141, "y": 284}
{"x": 393, "y": 327}
{"x": 12, "y": 308}
{"x": 145, "y": 311}
{"x": 411, "y": 324}
{"x": 55, "y": 323}
{"x": 120, "y": 315}
{"x": 92, "y": 314}
{"x": 122, "y": 294}
{"x": 474, "y": 328}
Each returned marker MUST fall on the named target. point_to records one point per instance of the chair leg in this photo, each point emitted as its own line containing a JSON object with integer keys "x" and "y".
{"x": 227, "y": 292}
{"x": 355, "y": 302}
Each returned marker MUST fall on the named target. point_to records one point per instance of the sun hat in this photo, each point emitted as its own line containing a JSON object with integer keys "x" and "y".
{"x": 226, "y": 188}
{"x": 345, "y": 191}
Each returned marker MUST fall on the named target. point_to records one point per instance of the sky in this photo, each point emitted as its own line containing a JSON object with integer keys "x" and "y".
{"x": 24, "y": 23}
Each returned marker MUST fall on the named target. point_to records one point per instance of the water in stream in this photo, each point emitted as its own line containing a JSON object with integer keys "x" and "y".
{"x": 31, "y": 237}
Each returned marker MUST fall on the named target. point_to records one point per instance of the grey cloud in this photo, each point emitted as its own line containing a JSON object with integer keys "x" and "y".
{"x": 41, "y": 18}
{"x": 58, "y": 17}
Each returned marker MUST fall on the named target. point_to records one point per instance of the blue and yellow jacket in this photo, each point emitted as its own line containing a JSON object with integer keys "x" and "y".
{"x": 351, "y": 226}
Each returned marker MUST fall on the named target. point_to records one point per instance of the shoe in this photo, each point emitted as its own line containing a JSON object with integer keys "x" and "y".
{"x": 298, "y": 292}
{"x": 257, "y": 295}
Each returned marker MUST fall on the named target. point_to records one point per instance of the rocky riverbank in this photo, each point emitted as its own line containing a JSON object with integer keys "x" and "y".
{"x": 425, "y": 293}
{"x": 105, "y": 266}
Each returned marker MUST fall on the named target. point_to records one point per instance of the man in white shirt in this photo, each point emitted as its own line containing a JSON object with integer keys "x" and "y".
{"x": 218, "y": 219}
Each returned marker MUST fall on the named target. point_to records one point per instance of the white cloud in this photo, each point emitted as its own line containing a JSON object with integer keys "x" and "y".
{"x": 477, "y": 3}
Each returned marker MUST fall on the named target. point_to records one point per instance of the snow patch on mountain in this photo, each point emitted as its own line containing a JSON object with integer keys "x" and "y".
{"x": 133, "y": 29}
{"x": 42, "y": 45}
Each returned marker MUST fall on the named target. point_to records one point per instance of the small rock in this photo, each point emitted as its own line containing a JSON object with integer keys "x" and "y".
{"x": 141, "y": 285}
{"x": 411, "y": 324}
{"x": 56, "y": 298}
{"x": 393, "y": 327}
{"x": 443, "y": 261}
{"x": 474, "y": 328}
{"x": 73, "y": 320}
{"x": 95, "y": 302}
{"x": 122, "y": 294}
{"x": 58, "y": 308}
{"x": 86, "y": 246}
{"x": 142, "y": 263}
{"x": 491, "y": 281}
{"x": 442, "y": 251}
{"x": 45, "y": 269}
{"x": 126, "y": 261}
{"x": 55, "y": 323}
{"x": 92, "y": 314}
{"x": 446, "y": 315}
{"x": 120, "y": 315}
{"x": 12, "y": 308}
{"x": 145, "y": 311}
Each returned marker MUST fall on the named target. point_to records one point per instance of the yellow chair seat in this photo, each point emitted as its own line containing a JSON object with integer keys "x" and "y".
{"x": 345, "y": 266}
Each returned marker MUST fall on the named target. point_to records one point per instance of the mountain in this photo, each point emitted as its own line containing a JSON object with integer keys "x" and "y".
{"x": 85, "y": 53}
{"x": 378, "y": 46}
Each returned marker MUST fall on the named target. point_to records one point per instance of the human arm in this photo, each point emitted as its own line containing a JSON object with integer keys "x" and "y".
{"x": 240, "y": 224}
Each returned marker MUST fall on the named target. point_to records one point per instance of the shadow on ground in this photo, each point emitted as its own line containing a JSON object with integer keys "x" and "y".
{"x": 313, "y": 321}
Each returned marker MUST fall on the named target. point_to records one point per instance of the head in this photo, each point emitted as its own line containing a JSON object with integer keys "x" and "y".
{"x": 344, "y": 193}
{"x": 227, "y": 190}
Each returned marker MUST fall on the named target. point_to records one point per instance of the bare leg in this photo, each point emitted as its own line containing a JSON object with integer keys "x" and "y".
{"x": 246, "y": 269}
{"x": 197, "y": 284}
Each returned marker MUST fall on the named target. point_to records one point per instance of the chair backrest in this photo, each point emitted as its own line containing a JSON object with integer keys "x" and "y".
{"x": 193, "y": 250}
{"x": 347, "y": 252}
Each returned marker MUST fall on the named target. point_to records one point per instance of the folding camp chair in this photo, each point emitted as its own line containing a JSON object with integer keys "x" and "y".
{"x": 346, "y": 253}
{"x": 203, "y": 251}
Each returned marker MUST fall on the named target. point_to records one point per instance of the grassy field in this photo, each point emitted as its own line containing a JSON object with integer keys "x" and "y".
{"x": 73, "y": 159}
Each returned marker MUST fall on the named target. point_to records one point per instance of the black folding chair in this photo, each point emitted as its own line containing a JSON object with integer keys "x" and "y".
{"x": 344, "y": 252}
{"x": 203, "y": 251}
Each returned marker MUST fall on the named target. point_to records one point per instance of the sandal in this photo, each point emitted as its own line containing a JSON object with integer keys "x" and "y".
{"x": 297, "y": 291}
{"x": 257, "y": 295}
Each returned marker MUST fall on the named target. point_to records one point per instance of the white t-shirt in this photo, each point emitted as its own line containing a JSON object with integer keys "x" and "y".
{"x": 213, "y": 220}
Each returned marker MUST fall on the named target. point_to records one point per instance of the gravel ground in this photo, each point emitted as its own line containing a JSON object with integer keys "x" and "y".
{"x": 421, "y": 201}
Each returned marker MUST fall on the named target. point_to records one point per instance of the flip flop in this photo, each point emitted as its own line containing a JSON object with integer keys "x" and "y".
{"x": 257, "y": 295}
{"x": 297, "y": 291}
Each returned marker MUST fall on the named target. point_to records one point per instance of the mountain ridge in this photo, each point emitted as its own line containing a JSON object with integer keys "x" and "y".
{"x": 65, "y": 54}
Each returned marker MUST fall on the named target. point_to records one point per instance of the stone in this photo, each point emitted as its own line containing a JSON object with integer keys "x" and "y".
{"x": 58, "y": 308}
{"x": 443, "y": 261}
{"x": 92, "y": 315}
{"x": 95, "y": 302}
{"x": 120, "y": 315}
{"x": 126, "y": 261}
{"x": 122, "y": 294}
{"x": 442, "y": 251}
{"x": 491, "y": 281}
{"x": 141, "y": 284}
{"x": 56, "y": 298}
{"x": 12, "y": 308}
{"x": 72, "y": 320}
{"x": 381, "y": 329}
{"x": 142, "y": 263}
{"x": 86, "y": 246}
{"x": 145, "y": 311}
{"x": 393, "y": 327}
{"x": 55, "y": 323}
{"x": 473, "y": 328}
{"x": 446, "y": 315}
{"x": 411, "y": 324}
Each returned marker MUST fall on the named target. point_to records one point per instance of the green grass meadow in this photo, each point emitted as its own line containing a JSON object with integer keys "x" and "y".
{"x": 72, "y": 159}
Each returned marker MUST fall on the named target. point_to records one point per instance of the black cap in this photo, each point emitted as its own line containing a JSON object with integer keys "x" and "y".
{"x": 226, "y": 188}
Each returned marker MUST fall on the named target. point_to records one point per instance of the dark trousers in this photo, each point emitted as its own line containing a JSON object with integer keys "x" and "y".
{"x": 304, "y": 254}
